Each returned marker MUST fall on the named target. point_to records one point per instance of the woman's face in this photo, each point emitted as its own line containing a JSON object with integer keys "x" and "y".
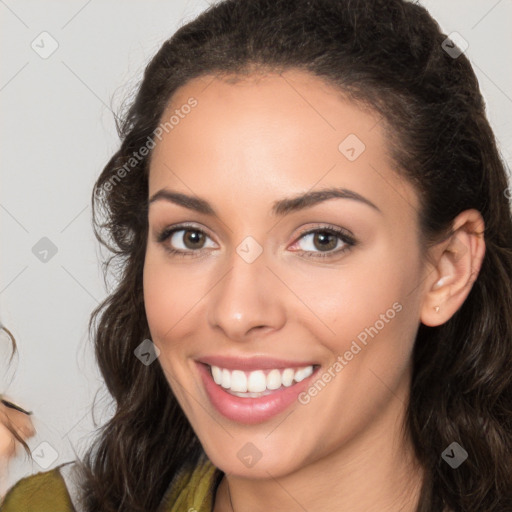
{"x": 310, "y": 302}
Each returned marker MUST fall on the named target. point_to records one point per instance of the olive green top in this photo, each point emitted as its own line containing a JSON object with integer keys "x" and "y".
{"x": 47, "y": 492}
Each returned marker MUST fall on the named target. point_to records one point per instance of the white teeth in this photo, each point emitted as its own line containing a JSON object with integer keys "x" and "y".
{"x": 254, "y": 383}
{"x": 287, "y": 377}
{"x": 303, "y": 373}
{"x": 257, "y": 382}
{"x": 308, "y": 372}
{"x": 226, "y": 379}
{"x": 273, "y": 379}
{"x": 217, "y": 374}
{"x": 238, "y": 381}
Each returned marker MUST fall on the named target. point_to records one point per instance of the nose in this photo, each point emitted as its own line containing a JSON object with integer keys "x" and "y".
{"x": 247, "y": 301}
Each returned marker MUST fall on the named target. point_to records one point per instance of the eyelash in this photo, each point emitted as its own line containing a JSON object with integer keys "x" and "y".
{"x": 347, "y": 239}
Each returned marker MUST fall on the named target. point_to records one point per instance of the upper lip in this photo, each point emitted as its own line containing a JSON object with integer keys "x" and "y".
{"x": 252, "y": 363}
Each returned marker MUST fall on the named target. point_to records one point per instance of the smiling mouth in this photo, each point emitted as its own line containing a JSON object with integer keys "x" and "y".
{"x": 258, "y": 383}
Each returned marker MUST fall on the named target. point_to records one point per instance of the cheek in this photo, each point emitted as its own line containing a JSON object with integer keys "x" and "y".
{"x": 361, "y": 299}
{"x": 157, "y": 300}
{"x": 369, "y": 318}
{"x": 167, "y": 300}
{"x": 172, "y": 297}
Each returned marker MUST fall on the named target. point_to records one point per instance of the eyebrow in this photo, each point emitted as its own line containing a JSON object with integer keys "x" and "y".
{"x": 279, "y": 208}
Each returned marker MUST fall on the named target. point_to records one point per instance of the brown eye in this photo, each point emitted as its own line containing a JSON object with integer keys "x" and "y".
{"x": 185, "y": 240}
{"x": 325, "y": 241}
{"x": 320, "y": 241}
{"x": 193, "y": 239}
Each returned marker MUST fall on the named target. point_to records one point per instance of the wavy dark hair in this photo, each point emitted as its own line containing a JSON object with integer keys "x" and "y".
{"x": 384, "y": 54}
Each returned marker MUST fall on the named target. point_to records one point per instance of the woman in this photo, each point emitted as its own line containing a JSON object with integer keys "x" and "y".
{"x": 314, "y": 306}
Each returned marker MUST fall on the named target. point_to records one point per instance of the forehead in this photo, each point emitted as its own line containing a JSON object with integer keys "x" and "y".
{"x": 290, "y": 131}
{"x": 303, "y": 104}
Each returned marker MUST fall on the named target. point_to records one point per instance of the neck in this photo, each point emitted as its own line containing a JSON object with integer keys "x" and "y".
{"x": 375, "y": 472}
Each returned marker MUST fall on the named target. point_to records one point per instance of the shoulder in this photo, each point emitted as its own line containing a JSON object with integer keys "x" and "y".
{"x": 43, "y": 492}
{"x": 193, "y": 489}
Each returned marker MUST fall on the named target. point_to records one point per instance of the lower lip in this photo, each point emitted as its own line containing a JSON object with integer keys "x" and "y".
{"x": 250, "y": 410}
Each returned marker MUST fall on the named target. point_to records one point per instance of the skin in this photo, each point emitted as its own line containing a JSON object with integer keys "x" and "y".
{"x": 245, "y": 145}
{"x": 22, "y": 424}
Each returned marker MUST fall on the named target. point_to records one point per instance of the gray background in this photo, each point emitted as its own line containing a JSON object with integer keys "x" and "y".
{"x": 57, "y": 133}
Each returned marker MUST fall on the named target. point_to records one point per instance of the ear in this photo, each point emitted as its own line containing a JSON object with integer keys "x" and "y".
{"x": 458, "y": 260}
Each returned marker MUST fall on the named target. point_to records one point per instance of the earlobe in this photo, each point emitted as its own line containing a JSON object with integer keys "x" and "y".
{"x": 457, "y": 268}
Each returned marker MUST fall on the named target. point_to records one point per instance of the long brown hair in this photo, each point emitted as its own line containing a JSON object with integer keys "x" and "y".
{"x": 386, "y": 54}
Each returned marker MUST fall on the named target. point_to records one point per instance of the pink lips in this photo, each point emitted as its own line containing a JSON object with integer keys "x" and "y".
{"x": 244, "y": 409}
